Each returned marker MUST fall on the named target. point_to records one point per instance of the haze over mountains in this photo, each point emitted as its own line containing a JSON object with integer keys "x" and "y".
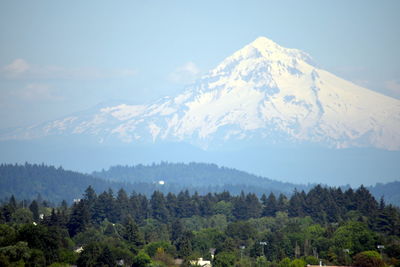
{"x": 262, "y": 109}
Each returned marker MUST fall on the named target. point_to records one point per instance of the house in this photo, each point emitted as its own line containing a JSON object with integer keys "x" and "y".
{"x": 201, "y": 262}
{"x": 178, "y": 261}
{"x": 320, "y": 264}
{"x": 79, "y": 250}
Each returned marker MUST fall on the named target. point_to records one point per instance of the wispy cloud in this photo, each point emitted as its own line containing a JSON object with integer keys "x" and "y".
{"x": 21, "y": 69}
{"x": 17, "y": 67}
{"x": 185, "y": 74}
{"x": 37, "y": 92}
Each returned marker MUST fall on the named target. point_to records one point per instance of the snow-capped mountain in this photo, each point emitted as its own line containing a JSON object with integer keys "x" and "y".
{"x": 262, "y": 93}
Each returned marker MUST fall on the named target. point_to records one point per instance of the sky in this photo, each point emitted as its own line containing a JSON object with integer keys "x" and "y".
{"x": 59, "y": 57}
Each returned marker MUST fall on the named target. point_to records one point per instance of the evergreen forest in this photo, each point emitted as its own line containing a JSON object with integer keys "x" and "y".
{"x": 108, "y": 228}
{"x": 30, "y": 181}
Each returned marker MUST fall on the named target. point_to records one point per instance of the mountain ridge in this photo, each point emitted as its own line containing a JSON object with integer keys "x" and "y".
{"x": 262, "y": 92}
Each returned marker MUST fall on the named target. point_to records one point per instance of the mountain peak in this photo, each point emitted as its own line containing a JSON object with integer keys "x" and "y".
{"x": 263, "y": 42}
{"x": 263, "y": 93}
{"x": 264, "y": 49}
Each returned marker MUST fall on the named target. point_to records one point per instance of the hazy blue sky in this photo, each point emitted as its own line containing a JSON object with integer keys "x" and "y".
{"x": 57, "y": 57}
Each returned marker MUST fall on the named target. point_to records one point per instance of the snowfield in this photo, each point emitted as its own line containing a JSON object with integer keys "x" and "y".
{"x": 263, "y": 92}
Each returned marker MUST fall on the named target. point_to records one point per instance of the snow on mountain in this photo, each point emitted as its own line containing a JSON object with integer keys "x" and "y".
{"x": 263, "y": 92}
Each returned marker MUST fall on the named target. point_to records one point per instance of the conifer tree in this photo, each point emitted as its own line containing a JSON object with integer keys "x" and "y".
{"x": 282, "y": 203}
{"x": 106, "y": 258}
{"x": 171, "y": 204}
{"x": 206, "y": 205}
{"x": 296, "y": 204}
{"x": 79, "y": 219}
{"x": 239, "y": 207}
{"x": 12, "y": 202}
{"x": 253, "y": 206}
{"x": 158, "y": 209}
{"x": 122, "y": 205}
{"x": 270, "y": 205}
{"x": 34, "y": 208}
{"x": 184, "y": 244}
{"x": 132, "y": 233}
{"x": 184, "y": 205}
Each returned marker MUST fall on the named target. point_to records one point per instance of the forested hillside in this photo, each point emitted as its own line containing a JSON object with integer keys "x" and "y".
{"x": 56, "y": 184}
{"x": 204, "y": 178}
{"x": 391, "y": 192}
{"x": 29, "y": 181}
{"x": 325, "y": 224}
{"x": 196, "y": 175}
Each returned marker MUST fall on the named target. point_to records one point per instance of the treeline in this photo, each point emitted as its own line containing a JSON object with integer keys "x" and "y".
{"x": 204, "y": 178}
{"x": 323, "y": 205}
{"x": 134, "y": 230}
{"x": 28, "y": 181}
{"x": 195, "y": 175}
